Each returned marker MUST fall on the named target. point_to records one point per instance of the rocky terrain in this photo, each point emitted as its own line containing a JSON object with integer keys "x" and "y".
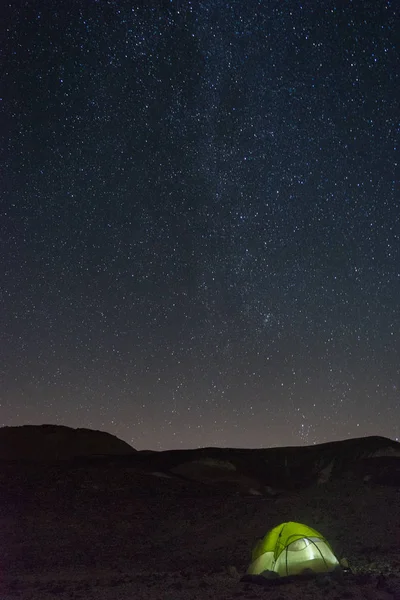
{"x": 181, "y": 525}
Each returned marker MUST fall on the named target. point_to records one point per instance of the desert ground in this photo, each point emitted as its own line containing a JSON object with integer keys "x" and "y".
{"x": 99, "y": 531}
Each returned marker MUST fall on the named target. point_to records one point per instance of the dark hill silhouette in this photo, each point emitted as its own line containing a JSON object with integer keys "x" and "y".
{"x": 266, "y": 471}
{"x": 57, "y": 442}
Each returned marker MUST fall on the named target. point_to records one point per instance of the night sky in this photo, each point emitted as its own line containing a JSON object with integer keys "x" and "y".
{"x": 200, "y": 223}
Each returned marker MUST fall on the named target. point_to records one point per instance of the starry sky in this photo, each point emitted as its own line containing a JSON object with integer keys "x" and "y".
{"x": 200, "y": 220}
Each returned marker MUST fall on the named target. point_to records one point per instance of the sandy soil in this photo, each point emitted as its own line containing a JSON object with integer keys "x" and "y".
{"x": 115, "y": 536}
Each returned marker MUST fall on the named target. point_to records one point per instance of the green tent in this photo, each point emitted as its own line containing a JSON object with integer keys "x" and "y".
{"x": 290, "y": 549}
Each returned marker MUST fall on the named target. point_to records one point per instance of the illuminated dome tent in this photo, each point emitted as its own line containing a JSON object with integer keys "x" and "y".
{"x": 290, "y": 549}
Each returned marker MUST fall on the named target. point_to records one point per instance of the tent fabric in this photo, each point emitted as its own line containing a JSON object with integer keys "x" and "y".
{"x": 291, "y": 548}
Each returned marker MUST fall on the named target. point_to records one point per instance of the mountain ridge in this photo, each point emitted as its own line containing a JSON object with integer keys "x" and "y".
{"x": 259, "y": 471}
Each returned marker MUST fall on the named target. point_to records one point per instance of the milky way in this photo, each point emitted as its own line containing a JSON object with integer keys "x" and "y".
{"x": 200, "y": 224}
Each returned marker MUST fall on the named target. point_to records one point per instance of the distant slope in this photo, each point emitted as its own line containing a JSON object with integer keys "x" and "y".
{"x": 271, "y": 468}
{"x": 270, "y": 471}
{"x": 57, "y": 442}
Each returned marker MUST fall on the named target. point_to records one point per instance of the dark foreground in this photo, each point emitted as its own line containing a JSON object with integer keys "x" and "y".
{"x": 115, "y": 534}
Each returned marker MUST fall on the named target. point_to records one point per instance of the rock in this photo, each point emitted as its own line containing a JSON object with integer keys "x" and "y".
{"x": 325, "y": 473}
{"x": 232, "y": 572}
{"x": 270, "y": 491}
{"x": 254, "y": 492}
{"x": 344, "y": 563}
{"x": 270, "y": 574}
